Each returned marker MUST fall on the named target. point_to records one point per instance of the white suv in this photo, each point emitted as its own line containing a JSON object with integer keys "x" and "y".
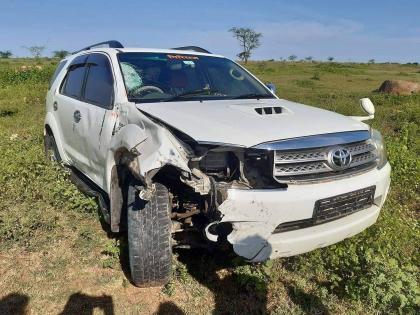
{"x": 185, "y": 148}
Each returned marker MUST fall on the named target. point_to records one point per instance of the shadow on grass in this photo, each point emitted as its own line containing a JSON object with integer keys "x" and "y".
{"x": 309, "y": 303}
{"x": 234, "y": 293}
{"x": 78, "y": 303}
{"x": 8, "y": 112}
{"x": 169, "y": 308}
{"x": 83, "y": 304}
{"x": 14, "y": 304}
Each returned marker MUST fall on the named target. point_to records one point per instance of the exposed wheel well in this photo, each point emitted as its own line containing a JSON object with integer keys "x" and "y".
{"x": 48, "y": 130}
{"x": 126, "y": 167}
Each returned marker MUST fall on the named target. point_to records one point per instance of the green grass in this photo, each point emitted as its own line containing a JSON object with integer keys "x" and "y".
{"x": 55, "y": 254}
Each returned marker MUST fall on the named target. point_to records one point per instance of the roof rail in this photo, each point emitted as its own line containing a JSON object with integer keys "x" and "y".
{"x": 193, "y": 48}
{"x": 109, "y": 43}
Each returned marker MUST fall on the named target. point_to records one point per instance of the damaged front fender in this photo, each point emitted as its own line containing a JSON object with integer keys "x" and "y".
{"x": 150, "y": 146}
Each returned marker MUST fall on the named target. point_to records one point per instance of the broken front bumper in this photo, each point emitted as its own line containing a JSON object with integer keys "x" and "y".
{"x": 255, "y": 214}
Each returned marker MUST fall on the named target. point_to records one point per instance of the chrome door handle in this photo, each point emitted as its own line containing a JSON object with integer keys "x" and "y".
{"x": 77, "y": 116}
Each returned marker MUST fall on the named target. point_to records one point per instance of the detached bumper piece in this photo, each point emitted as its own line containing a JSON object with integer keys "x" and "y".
{"x": 333, "y": 208}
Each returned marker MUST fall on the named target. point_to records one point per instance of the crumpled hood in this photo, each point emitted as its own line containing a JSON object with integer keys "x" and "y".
{"x": 237, "y": 122}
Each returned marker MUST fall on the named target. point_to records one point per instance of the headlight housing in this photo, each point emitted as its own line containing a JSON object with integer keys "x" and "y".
{"x": 378, "y": 141}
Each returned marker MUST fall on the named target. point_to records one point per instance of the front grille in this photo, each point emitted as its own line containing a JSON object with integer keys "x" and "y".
{"x": 333, "y": 208}
{"x": 312, "y": 164}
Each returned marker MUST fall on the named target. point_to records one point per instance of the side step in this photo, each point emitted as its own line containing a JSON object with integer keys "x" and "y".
{"x": 85, "y": 185}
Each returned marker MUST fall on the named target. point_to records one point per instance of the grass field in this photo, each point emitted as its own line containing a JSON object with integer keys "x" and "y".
{"x": 57, "y": 257}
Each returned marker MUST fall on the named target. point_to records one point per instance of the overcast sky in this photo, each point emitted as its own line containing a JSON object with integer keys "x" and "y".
{"x": 352, "y": 30}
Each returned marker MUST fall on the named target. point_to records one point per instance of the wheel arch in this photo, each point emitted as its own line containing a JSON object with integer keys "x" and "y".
{"x": 51, "y": 128}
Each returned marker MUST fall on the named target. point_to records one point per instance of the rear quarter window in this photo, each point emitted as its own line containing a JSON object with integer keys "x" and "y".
{"x": 74, "y": 82}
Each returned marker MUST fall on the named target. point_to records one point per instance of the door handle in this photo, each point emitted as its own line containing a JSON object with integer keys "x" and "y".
{"x": 55, "y": 106}
{"x": 77, "y": 116}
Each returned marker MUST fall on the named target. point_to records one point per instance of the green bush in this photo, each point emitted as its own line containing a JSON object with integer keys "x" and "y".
{"x": 25, "y": 75}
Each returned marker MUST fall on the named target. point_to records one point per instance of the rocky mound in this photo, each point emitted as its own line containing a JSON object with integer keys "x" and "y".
{"x": 399, "y": 87}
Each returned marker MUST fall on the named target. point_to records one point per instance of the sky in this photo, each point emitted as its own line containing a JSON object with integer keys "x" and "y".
{"x": 348, "y": 30}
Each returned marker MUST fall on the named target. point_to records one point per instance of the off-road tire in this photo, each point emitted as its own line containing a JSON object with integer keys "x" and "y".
{"x": 50, "y": 149}
{"x": 149, "y": 237}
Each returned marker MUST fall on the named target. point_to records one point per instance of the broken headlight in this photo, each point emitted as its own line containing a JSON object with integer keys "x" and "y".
{"x": 378, "y": 141}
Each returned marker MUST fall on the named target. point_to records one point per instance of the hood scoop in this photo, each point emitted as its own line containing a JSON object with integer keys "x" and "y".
{"x": 269, "y": 110}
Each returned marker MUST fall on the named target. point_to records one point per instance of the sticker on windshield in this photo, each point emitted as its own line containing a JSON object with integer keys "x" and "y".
{"x": 189, "y": 63}
{"x": 182, "y": 57}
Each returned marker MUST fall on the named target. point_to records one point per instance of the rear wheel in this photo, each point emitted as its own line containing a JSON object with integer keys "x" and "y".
{"x": 149, "y": 237}
{"x": 50, "y": 148}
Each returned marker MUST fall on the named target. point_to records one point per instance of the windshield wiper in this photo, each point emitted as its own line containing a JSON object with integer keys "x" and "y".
{"x": 190, "y": 93}
{"x": 253, "y": 95}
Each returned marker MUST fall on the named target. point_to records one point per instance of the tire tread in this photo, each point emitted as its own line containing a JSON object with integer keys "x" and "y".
{"x": 149, "y": 233}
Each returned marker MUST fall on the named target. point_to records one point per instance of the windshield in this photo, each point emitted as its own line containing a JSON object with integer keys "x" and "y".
{"x": 161, "y": 77}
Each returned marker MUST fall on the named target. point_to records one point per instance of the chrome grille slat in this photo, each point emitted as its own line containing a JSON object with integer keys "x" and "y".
{"x": 294, "y": 165}
{"x": 360, "y": 148}
{"x": 299, "y": 169}
{"x": 362, "y": 159}
{"x": 305, "y": 156}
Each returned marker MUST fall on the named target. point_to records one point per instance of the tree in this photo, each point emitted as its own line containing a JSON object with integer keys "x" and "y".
{"x": 371, "y": 61}
{"x": 330, "y": 58}
{"x": 5, "y": 54}
{"x": 248, "y": 39}
{"x": 309, "y": 58}
{"x": 292, "y": 57}
{"x": 36, "y": 51}
{"x": 60, "y": 53}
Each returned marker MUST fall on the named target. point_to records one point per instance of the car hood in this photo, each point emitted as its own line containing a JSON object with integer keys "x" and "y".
{"x": 238, "y": 122}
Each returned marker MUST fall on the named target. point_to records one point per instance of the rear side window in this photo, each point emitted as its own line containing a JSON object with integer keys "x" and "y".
{"x": 99, "y": 82}
{"x": 57, "y": 71}
{"x": 73, "y": 84}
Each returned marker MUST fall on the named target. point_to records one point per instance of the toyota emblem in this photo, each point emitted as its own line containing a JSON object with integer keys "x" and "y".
{"x": 339, "y": 158}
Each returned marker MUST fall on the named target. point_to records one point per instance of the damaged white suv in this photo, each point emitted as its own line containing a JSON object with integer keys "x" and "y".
{"x": 185, "y": 148}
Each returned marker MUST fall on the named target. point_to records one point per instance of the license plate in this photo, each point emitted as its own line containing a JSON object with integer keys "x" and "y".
{"x": 332, "y": 208}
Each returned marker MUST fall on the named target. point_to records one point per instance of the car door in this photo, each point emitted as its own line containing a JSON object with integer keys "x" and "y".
{"x": 65, "y": 104}
{"x": 95, "y": 116}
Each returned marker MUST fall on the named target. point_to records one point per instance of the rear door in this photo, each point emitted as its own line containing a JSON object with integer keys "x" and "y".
{"x": 65, "y": 104}
{"x": 95, "y": 116}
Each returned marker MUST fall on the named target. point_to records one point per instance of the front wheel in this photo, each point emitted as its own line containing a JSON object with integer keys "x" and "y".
{"x": 149, "y": 237}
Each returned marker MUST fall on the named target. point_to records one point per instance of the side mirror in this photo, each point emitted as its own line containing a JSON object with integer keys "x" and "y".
{"x": 271, "y": 87}
{"x": 367, "y": 105}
